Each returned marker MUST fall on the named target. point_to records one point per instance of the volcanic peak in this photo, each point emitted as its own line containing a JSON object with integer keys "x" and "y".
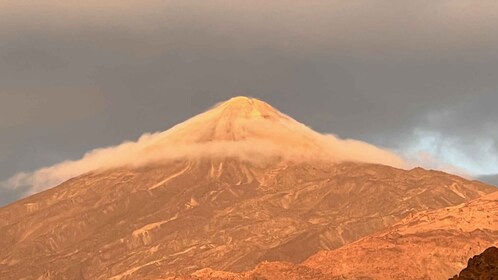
{"x": 250, "y": 129}
{"x": 247, "y": 108}
{"x": 239, "y": 119}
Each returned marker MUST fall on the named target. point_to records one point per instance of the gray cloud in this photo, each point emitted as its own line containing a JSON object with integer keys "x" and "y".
{"x": 491, "y": 179}
{"x": 76, "y": 75}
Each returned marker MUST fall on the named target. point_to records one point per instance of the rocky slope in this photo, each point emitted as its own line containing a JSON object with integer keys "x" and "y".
{"x": 222, "y": 205}
{"x": 185, "y": 216}
{"x": 428, "y": 245}
{"x": 483, "y": 266}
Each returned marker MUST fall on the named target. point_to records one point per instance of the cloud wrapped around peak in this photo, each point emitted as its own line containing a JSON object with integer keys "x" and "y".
{"x": 249, "y": 131}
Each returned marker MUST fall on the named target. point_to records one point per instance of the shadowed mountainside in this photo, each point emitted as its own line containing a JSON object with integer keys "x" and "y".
{"x": 483, "y": 266}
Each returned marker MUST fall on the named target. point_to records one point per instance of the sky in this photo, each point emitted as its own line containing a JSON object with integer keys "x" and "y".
{"x": 417, "y": 77}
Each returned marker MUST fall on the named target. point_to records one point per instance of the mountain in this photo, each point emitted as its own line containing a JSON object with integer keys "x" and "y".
{"x": 483, "y": 266}
{"x": 237, "y": 185}
{"x": 427, "y": 245}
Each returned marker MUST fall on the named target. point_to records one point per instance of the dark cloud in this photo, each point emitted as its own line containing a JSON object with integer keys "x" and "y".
{"x": 80, "y": 75}
{"x": 490, "y": 179}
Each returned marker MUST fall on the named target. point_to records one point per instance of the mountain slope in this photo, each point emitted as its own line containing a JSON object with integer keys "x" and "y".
{"x": 427, "y": 245}
{"x": 227, "y": 204}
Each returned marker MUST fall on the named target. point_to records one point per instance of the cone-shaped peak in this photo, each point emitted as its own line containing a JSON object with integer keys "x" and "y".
{"x": 244, "y": 127}
{"x": 247, "y": 108}
{"x": 238, "y": 119}
{"x": 240, "y": 101}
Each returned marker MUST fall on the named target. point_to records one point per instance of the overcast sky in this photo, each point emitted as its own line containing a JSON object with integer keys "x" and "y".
{"x": 419, "y": 77}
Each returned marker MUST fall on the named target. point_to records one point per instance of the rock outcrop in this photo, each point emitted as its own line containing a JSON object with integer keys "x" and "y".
{"x": 481, "y": 267}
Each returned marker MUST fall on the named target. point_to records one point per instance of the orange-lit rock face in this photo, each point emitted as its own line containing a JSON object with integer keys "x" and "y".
{"x": 181, "y": 217}
{"x": 427, "y": 245}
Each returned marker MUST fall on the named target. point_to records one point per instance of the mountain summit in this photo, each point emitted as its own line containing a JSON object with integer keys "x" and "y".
{"x": 247, "y": 108}
{"x": 244, "y": 119}
{"x": 250, "y": 129}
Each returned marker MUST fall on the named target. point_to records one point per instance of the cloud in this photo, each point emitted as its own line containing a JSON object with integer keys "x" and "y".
{"x": 463, "y": 136}
{"x": 217, "y": 133}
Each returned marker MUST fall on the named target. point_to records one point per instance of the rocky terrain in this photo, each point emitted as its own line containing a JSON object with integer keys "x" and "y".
{"x": 182, "y": 217}
{"x": 483, "y": 266}
{"x": 428, "y": 245}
